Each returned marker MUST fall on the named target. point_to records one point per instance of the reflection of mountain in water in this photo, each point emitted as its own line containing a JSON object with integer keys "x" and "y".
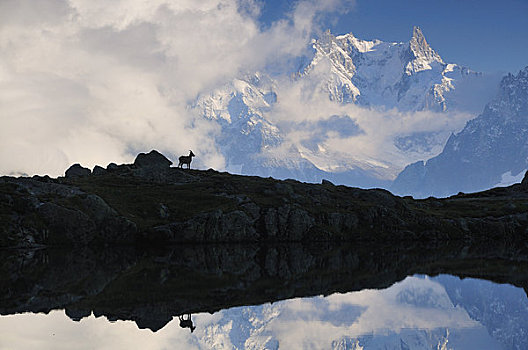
{"x": 368, "y": 319}
{"x": 421, "y": 316}
{"x": 417, "y": 313}
{"x": 151, "y": 287}
{"x": 444, "y": 312}
{"x": 424, "y": 296}
{"x": 411, "y": 339}
{"x": 503, "y": 309}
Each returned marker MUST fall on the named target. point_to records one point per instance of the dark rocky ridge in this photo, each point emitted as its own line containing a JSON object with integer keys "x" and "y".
{"x": 150, "y": 203}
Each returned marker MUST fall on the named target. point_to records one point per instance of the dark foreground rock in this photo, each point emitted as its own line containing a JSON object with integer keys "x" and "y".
{"x": 149, "y": 202}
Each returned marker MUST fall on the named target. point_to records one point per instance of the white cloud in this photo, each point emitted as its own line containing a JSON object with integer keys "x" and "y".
{"x": 94, "y": 82}
{"x": 303, "y": 104}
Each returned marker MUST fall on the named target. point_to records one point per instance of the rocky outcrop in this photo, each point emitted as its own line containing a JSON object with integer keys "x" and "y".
{"x": 76, "y": 170}
{"x": 41, "y": 213}
{"x": 153, "y": 159}
{"x": 215, "y": 226}
{"x": 524, "y": 182}
{"x": 98, "y": 170}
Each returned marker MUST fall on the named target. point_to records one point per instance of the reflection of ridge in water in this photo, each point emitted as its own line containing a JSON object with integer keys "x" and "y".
{"x": 428, "y": 316}
{"x": 151, "y": 287}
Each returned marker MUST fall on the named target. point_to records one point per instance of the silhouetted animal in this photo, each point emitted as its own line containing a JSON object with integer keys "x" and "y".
{"x": 186, "y": 160}
{"x": 187, "y": 323}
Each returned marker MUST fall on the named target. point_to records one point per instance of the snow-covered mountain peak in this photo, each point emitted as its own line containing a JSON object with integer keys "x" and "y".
{"x": 406, "y": 75}
{"x": 424, "y": 55}
{"x": 238, "y": 107}
{"x": 238, "y": 99}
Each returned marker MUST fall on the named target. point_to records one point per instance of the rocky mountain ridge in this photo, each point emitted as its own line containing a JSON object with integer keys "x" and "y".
{"x": 489, "y": 147}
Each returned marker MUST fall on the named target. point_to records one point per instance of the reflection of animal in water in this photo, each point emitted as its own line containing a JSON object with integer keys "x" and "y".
{"x": 186, "y": 322}
{"x": 186, "y": 160}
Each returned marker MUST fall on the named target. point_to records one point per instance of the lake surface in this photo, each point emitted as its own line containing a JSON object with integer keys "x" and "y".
{"x": 420, "y": 312}
{"x": 266, "y": 297}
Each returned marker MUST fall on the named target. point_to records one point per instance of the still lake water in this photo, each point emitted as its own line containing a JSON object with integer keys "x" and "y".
{"x": 419, "y": 312}
{"x": 414, "y": 312}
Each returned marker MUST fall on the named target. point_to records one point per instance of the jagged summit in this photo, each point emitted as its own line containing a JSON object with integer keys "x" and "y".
{"x": 423, "y": 53}
{"x": 409, "y": 75}
{"x": 420, "y": 47}
{"x": 418, "y": 35}
{"x": 513, "y": 91}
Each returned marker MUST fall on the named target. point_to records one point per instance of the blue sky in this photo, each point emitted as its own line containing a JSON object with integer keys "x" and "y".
{"x": 485, "y": 35}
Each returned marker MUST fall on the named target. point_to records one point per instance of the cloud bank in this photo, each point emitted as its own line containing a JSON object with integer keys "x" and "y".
{"x": 337, "y": 137}
{"x": 93, "y": 82}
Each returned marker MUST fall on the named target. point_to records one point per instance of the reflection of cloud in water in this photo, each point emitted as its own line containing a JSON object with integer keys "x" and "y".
{"x": 318, "y": 309}
{"x": 416, "y": 312}
{"x": 57, "y": 331}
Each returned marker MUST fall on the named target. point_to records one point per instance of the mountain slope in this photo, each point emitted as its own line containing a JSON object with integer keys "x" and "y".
{"x": 489, "y": 147}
